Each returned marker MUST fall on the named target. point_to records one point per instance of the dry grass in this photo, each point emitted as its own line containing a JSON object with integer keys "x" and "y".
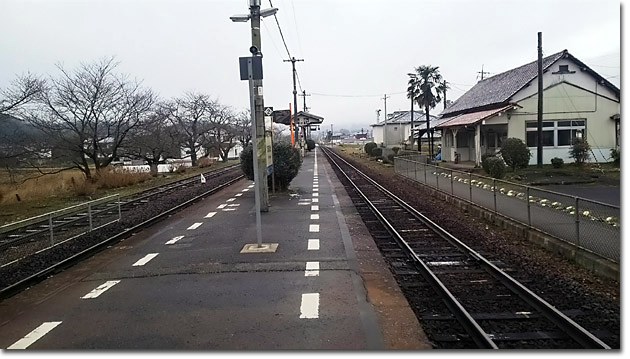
{"x": 23, "y": 194}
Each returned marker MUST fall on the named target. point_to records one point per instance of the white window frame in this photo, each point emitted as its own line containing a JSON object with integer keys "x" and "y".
{"x": 555, "y": 128}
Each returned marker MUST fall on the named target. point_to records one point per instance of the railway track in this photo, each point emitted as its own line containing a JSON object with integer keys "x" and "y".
{"x": 81, "y": 219}
{"x": 35, "y": 259}
{"x": 462, "y": 299}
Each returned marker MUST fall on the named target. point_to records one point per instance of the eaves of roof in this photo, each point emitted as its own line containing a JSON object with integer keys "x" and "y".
{"x": 473, "y": 117}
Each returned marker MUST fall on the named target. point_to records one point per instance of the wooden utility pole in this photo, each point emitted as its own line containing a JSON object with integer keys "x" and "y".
{"x": 293, "y": 60}
{"x": 539, "y": 151}
{"x": 385, "y": 97}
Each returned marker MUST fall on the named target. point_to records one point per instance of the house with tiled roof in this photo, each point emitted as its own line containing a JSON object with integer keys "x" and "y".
{"x": 398, "y": 128}
{"x": 577, "y": 102}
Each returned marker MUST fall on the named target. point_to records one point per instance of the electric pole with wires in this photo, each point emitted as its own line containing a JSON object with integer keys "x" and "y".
{"x": 293, "y": 60}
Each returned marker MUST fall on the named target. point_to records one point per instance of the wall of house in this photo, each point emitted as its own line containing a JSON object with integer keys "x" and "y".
{"x": 377, "y": 134}
{"x": 565, "y": 101}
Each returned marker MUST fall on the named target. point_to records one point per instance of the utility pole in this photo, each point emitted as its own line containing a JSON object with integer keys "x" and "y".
{"x": 258, "y": 119}
{"x": 539, "y": 150}
{"x": 444, "y": 84}
{"x": 293, "y": 60}
{"x": 385, "y": 97}
{"x": 304, "y": 94}
{"x": 332, "y": 136}
{"x": 482, "y": 72}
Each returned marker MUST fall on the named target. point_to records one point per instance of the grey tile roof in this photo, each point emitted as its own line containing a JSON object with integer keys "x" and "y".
{"x": 499, "y": 88}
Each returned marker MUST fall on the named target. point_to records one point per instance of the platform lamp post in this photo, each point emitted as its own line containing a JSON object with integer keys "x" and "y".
{"x": 251, "y": 70}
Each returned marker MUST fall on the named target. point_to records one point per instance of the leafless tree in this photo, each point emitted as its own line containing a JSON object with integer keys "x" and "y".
{"x": 244, "y": 127}
{"x": 223, "y": 134}
{"x": 154, "y": 140}
{"x": 22, "y": 90}
{"x": 190, "y": 114}
{"x": 87, "y": 113}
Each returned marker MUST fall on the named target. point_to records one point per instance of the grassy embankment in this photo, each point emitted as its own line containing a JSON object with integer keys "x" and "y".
{"x": 26, "y": 193}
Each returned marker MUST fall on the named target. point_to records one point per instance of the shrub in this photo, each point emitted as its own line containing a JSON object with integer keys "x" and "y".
{"x": 204, "y": 162}
{"x": 286, "y": 164}
{"x": 368, "y": 147}
{"x": 496, "y": 167}
{"x": 580, "y": 151}
{"x": 395, "y": 149}
{"x": 615, "y": 154}
{"x": 390, "y": 157}
{"x": 376, "y": 152}
{"x": 515, "y": 153}
{"x": 557, "y": 162}
{"x": 310, "y": 144}
{"x": 484, "y": 163}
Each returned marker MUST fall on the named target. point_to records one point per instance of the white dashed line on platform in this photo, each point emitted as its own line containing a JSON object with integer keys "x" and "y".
{"x": 314, "y": 216}
{"x": 313, "y": 244}
{"x": 310, "y": 306}
{"x": 314, "y": 200}
{"x": 175, "y": 239}
{"x": 314, "y": 208}
{"x": 313, "y": 228}
{"x": 312, "y": 269}
{"x": 195, "y": 226}
{"x": 33, "y": 336}
{"x": 231, "y": 199}
{"x": 315, "y": 194}
{"x": 100, "y": 289}
{"x": 221, "y": 205}
{"x": 238, "y": 194}
{"x": 245, "y": 190}
{"x": 209, "y": 215}
{"x": 144, "y": 260}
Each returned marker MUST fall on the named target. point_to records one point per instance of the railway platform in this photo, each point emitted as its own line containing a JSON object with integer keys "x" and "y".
{"x": 199, "y": 280}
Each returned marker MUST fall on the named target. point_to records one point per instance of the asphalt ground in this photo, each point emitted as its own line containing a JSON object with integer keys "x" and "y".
{"x": 185, "y": 283}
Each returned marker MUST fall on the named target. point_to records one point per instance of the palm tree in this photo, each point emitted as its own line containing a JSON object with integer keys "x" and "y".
{"x": 426, "y": 87}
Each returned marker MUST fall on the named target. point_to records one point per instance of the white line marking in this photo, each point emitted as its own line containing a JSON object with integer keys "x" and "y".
{"x": 315, "y": 208}
{"x": 234, "y": 204}
{"x": 310, "y": 306}
{"x": 245, "y": 190}
{"x": 316, "y": 189}
{"x": 312, "y": 269}
{"x": 231, "y": 199}
{"x": 210, "y": 214}
{"x": 195, "y": 226}
{"x": 175, "y": 239}
{"x": 315, "y": 194}
{"x": 314, "y": 216}
{"x": 238, "y": 194}
{"x": 314, "y": 200}
{"x": 144, "y": 260}
{"x": 313, "y": 228}
{"x": 33, "y": 336}
{"x": 313, "y": 244}
{"x": 303, "y": 203}
{"x": 221, "y": 205}
{"x": 100, "y": 289}
{"x": 250, "y": 186}
{"x": 228, "y": 209}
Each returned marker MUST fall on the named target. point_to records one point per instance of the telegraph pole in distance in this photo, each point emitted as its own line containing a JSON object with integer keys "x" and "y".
{"x": 482, "y": 72}
{"x": 304, "y": 94}
{"x": 539, "y": 162}
{"x": 293, "y": 60}
{"x": 385, "y": 97}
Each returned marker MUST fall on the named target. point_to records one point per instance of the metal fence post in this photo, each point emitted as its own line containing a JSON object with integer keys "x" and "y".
{"x": 452, "y": 191}
{"x": 470, "y": 185}
{"x": 529, "y": 212}
{"x": 50, "y": 226}
{"x": 437, "y": 179}
{"x": 119, "y": 210}
{"x": 90, "y": 215}
{"x": 425, "y": 172}
{"x": 415, "y": 170}
{"x": 577, "y": 220}
{"x": 494, "y": 192}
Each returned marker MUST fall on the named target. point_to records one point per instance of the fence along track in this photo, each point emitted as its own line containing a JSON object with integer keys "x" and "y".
{"x": 83, "y": 218}
{"x": 469, "y": 284}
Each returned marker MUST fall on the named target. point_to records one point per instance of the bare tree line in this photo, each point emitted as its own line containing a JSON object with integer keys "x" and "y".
{"x": 90, "y": 116}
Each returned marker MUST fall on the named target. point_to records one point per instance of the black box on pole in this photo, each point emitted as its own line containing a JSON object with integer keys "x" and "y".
{"x": 257, "y": 71}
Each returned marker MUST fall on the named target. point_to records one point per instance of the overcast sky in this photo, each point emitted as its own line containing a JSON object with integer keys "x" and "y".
{"x": 354, "y": 51}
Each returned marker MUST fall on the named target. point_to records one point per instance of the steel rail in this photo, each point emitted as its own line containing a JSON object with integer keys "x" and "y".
{"x": 574, "y": 330}
{"x": 13, "y": 288}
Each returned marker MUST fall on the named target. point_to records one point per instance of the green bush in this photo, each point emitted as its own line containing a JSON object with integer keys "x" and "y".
{"x": 368, "y": 147}
{"x": 496, "y": 167}
{"x": 376, "y": 152}
{"x": 557, "y": 162}
{"x": 484, "y": 163}
{"x": 286, "y": 164}
{"x": 395, "y": 149}
{"x": 515, "y": 153}
{"x": 580, "y": 151}
{"x": 390, "y": 157}
{"x": 615, "y": 154}
{"x": 310, "y": 144}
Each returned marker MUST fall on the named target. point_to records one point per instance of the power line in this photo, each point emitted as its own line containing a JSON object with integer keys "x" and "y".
{"x": 280, "y": 29}
{"x": 337, "y": 95}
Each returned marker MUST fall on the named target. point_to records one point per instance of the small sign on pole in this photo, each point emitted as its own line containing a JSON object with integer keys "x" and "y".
{"x": 203, "y": 179}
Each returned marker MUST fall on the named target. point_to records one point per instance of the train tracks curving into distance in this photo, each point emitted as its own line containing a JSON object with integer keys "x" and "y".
{"x": 464, "y": 299}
